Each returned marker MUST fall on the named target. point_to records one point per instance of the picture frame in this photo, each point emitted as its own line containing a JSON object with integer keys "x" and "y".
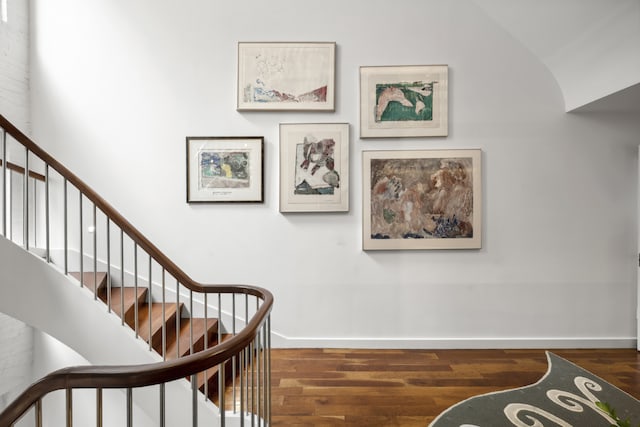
{"x": 314, "y": 167}
{"x": 422, "y": 199}
{"x": 286, "y": 76}
{"x": 225, "y": 169}
{"x": 404, "y": 101}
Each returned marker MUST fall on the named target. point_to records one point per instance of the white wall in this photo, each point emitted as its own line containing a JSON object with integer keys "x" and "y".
{"x": 14, "y": 64}
{"x": 590, "y": 46}
{"x": 118, "y": 85}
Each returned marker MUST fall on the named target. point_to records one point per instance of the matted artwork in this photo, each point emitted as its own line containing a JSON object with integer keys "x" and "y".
{"x": 425, "y": 199}
{"x": 408, "y": 101}
{"x": 224, "y": 169}
{"x": 286, "y": 76}
{"x": 314, "y": 167}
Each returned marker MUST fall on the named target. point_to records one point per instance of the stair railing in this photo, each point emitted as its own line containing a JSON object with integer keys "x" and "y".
{"x": 230, "y": 366}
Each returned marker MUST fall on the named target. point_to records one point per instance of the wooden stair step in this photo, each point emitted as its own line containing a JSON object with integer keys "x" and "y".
{"x": 128, "y": 294}
{"x": 171, "y": 312}
{"x": 212, "y": 374}
{"x": 183, "y": 343}
{"x": 89, "y": 279}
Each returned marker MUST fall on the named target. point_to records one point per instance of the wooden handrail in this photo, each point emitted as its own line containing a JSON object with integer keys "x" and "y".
{"x": 109, "y": 211}
{"x": 131, "y": 376}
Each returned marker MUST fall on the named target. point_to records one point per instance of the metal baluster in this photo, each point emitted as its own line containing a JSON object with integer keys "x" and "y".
{"x": 177, "y": 319}
{"x": 164, "y": 319}
{"x": 252, "y": 385}
{"x": 38, "y": 413}
{"x": 122, "y": 276}
{"x": 258, "y": 376}
{"x": 163, "y": 399}
{"x": 191, "y": 322}
{"x": 221, "y": 367}
{"x": 135, "y": 286}
{"x": 248, "y": 357}
{"x": 69, "y": 408}
{"x": 194, "y": 399}
{"x": 95, "y": 255}
{"x": 25, "y": 202}
{"x": 243, "y": 362}
{"x": 206, "y": 346}
{"x": 150, "y": 306}
{"x": 35, "y": 212}
{"x": 47, "y": 213}
{"x": 108, "y": 264}
{"x": 10, "y": 206}
{"x": 4, "y": 183}
{"x": 66, "y": 230}
{"x": 268, "y": 370}
{"x": 81, "y": 241}
{"x": 233, "y": 358}
{"x": 98, "y": 407}
{"x": 129, "y": 407}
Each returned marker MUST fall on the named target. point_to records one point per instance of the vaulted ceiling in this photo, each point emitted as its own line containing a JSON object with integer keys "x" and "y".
{"x": 592, "y": 47}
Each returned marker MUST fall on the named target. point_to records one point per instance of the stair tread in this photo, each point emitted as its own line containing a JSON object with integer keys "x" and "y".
{"x": 198, "y": 336}
{"x": 171, "y": 310}
{"x": 128, "y": 295}
{"x": 89, "y": 279}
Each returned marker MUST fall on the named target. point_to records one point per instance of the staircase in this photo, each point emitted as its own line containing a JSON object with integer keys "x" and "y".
{"x": 226, "y": 359}
{"x": 166, "y": 327}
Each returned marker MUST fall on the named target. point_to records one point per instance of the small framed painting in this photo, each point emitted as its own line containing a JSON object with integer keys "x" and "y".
{"x": 426, "y": 199}
{"x": 314, "y": 167}
{"x": 286, "y": 76}
{"x": 408, "y": 101}
{"x": 224, "y": 169}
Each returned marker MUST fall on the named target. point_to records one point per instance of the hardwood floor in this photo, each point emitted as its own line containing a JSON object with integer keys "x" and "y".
{"x": 325, "y": 387}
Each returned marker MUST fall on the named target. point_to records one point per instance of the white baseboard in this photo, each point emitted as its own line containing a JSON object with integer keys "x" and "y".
{"x": 281, "y": 341}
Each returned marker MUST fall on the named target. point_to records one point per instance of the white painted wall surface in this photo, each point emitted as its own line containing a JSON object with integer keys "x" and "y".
{"x": 14, "y": 63}
{"x": 118, "y": 85}
{"x": 590, "y": 46}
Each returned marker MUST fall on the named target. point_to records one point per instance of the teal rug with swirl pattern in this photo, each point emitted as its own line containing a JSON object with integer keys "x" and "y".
{"x": 566, "y": 396}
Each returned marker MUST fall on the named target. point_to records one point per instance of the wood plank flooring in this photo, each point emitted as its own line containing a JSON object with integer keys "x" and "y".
{"x": 326, "y": 387}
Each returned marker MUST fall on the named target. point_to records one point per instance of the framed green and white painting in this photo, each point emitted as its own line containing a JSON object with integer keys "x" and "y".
{"x": 403, "y": 101}
{"x": 225, "y": 169}
{"x": 286, "y": 76}
{"x": 314, "y": 167}
{"x": 423, "y": 199}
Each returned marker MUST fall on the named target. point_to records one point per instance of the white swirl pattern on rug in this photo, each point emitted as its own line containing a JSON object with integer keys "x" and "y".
{"x": 566, "y": 396}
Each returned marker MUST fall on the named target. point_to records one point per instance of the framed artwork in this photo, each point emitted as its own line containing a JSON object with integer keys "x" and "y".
{"x": 314, "y": 167}
{"x": 409, "y": 101}
{"x": 426, "y": 199}
{"x": 286, "y": 76}
{"x": 224, "y": 169}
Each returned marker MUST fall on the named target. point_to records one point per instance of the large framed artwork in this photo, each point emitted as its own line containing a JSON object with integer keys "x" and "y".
{"x": 224, "y": 169}
{"x": 403, "y": 101}
{"x": 314, "y": 167}
{"x": 286, "y": 76}
{"x": 425, "y": 199}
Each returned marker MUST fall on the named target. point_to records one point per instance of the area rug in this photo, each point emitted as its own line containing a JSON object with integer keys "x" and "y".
{"x": 566, "y": 396}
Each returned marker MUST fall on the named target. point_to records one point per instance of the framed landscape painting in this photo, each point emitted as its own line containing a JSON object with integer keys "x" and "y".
{"x": 425, "y": 199}
{"x": 314, "y": 167}
{"x": 403, "y": 101}
{"x": 286, "y": 76}
{"x": 224, "y": 169}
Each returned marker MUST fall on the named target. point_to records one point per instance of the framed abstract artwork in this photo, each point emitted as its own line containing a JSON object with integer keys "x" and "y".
{"x": 407, "y": 101}
{"x": 224, "y": 169}
{"x": 425, "y": 199}
{"x": 286, "y": 76}
{"x": 314, "y": 167}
